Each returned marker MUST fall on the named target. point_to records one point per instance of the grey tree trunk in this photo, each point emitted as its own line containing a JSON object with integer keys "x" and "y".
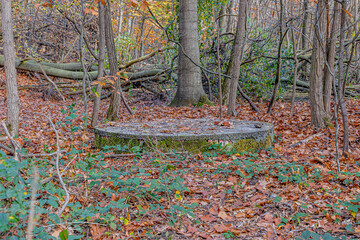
{"x": 317, "y": 63}
{"x": 236, "y": 56}
{"x": 189, "y": 86}
{"x": 101, "y": 48}
{"x": 330, "y": 56}
{"x": 114, "y": 107}
{"x": 305, "y": 24}
{"x": 230, "y": 19}
{"x": 342, "y": 79}
{"x": 278, "y": 62}
{"x": 222, "y": 19}
{"x": 12, "y": 112}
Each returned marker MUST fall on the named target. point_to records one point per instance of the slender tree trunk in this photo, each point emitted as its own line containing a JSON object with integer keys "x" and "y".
{"x": 296, "y": 63}
{"x": 330, "y": 56}
{"x": 236, "y": 56}
{"x": 12, "y": 112}
{"x": 341, "y": 78}
{"x": 304, "y": 25}
{"x": 317, "y": 63}
{"x": 101, "y": 48}
{"x": 278, "y": 62}
{"x": 230, "y": 19}
{"x": 120, "y": 18}
{"x": 189, "y": 86}
{"x": 305, "y": 34}
{"x": 223, "y": 19}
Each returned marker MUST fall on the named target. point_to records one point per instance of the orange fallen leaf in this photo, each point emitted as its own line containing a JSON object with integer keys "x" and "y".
{"x": 224, "y": 216}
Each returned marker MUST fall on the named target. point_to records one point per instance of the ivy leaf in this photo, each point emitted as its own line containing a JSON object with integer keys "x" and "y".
{"x": 64, "y": 234}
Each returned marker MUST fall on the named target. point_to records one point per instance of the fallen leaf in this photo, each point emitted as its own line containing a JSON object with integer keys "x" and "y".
{"x": 221, "y": 228}
{"x": 224, "y": 216}
{"x": 208, "y": 218}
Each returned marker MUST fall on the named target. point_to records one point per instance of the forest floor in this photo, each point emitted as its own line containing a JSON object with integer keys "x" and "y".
{"x": 291, "y": 190}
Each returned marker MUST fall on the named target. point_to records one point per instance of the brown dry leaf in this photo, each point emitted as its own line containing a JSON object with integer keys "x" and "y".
{"x": 192, "y": 229}
{"x": 268, "y": 217}
{"x": 208, "y": 218}
{"x": 233, "y": 179}
{"x": 221, "y": 228}
{"x": 240, "y": 215}
{"x": 214, "y": 210}
{"x": 56, "y": 233}
{"x": 224, "y": 216}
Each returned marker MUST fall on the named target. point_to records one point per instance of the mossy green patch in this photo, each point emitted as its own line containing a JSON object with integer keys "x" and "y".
{"x": 166, "y": 145}
{"x": 191, "y": 146}
{"x": 252, "y": 144}
{"x": 102, "y": 141}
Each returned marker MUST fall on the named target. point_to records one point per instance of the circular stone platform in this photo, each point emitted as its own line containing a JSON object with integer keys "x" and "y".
{"x": 187, "y": 134}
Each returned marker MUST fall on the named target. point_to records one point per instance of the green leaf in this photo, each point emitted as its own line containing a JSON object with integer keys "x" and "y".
{"x": 301, "y": 214}
{"x": 284, "y": 220}
{"x": 64, "y": 234}
{"x": 73, "y": 237}
{"x": 349, "y": 228}
{"x": 53, "y": 203}
{"x": 113, "y": 225}
{"x": 306, "y": 234}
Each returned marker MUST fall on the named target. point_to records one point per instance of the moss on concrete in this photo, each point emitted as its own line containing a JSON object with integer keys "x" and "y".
{"x": 166, "y": 145}
{"x": 102, "y": 141}
{"x": 192, "y": 146}
{"x": 252, "y": 144}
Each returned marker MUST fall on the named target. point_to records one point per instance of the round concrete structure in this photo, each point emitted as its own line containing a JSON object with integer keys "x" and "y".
{"x": 187, "y": 134}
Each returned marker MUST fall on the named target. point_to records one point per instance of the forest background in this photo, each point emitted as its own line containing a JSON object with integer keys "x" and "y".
{"x": 71, "y": 65}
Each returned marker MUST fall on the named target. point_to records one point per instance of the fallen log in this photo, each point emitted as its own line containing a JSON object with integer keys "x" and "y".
{"x": 68, "y": 66}
{"x": 33, "y": 66}
{"x": 30, "y": 65}
{"x": 306, "y": 85}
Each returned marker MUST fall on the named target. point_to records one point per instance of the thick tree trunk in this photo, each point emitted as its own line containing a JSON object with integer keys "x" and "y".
{"x": 236, "y": 56}
{"x": 12, "y": 113}
{"x": 101, "y": 48}
{"x": 330, "y": 56}
{"x": 189, "y": 87}
{"x": 317, "y": 66}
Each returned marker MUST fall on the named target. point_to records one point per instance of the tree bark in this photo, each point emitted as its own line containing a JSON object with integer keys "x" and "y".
{"x": 304, "y": 25}
{"x": 295, "y": 73}
{"x": 101, "y": 72}
{"x": 317, "y": 66}
{"x": 114, "y": 107}
{"x": 222, "y": 19}
{"x": 278, "y": 62}
{"x": 230, "y": 19}
{"x": 12, "y": 112}
{"x": 342, "y": 79}
{"x": 236, "y": 56}
{"x": 330, "y": 56}
{"x": 189, "y": 86}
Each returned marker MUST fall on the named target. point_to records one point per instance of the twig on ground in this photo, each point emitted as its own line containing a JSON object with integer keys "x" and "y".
{"x": 307, "y": 139}
{"x": 13, "y": 143}
{"x": 57, "y": 166}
